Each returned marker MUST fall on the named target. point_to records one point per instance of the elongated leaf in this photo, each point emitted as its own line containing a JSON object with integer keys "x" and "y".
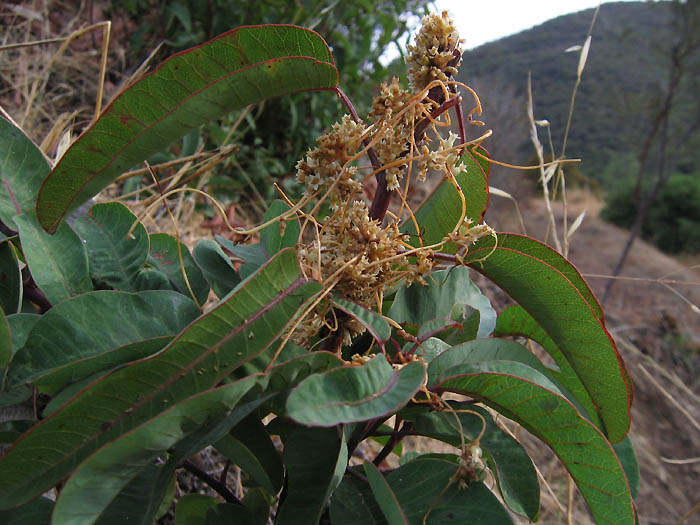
{"x": 141, "y": 500}
{"x": 281, "y": 234}
{"x": 152, "y": 279}
{"x": 628, "y": 460}
{"x": 209, "y": 349}
{"x": 315, "y": 459}
{"x": 526, "y": 396}
{"x": 116, "y": 254}
{"x": 58, "y": 263}
{"x": 515, "y": 321}
{"x": 35, "y": 513}
{"x": 287, "y": 375}
{"x": 440, "y": 213}
{"x": 550, "y": 297}
{"x": 377, "y": 326}
{"x": 428, "y": 349}
{"x": 165, "y": 257}
{"x": 353, "y": 503}
{"x": 249, "y": 446}
{"x": 22, "y": 168}
{"x": 354, "y": 393}
{"x": 485, "y": 350}
{"x": 110, "y": 468}
{"x": 230, "y": 513}
{"x": 422, "y": 484}
{"x": 510, "y": 464}
{"x": 385, "y": 497}
{"x": 191, "y": 509}
{"x": 67, "y": 344}
{"x": 10, "y": 279}
{"x": 216, "y": 267}
{"x": 253, "y": 255}
{"x": 241, "y": 67}
{"x": 450, "y": 294}
{"x": 5, "y": 341}
{"x": 20, "y": 326}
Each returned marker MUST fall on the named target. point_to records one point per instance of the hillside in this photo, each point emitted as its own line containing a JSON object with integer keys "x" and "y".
{"x": 624, "y": 68}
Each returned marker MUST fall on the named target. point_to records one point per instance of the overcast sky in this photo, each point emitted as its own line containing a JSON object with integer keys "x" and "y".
{"x": 480, "y": 21}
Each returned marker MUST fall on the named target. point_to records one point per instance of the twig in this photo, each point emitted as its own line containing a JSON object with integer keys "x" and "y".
{"x": 668, "y": 396}
{"x": 356, "y": 474}
{"x": 392, "y": 441}
{"x": 212, "y": 482}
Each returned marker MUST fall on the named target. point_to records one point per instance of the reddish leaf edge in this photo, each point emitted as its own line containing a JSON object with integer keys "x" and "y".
{"x": 601, "y": 321}
{"x": 486, "y": 173}
{"x": 107, "y": 426}
{"x": 51, "y": 228}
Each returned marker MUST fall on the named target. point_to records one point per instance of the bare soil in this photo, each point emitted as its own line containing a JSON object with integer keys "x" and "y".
{"x": 658, "y": 335}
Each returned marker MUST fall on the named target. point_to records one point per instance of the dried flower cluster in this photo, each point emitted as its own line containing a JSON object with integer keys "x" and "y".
{"x": 355, "y": 255}
{"x": 326, "y": 167}
{"x": 433, "y": 56}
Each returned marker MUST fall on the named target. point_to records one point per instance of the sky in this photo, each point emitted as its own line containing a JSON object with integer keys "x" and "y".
{"x": 481, "y": 21}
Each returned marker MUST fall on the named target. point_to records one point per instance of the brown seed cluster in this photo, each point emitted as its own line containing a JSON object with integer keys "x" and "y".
{"x": 326, "y": 167}
{"x": 433, "y": 56}
{"x": 362, "y": 251}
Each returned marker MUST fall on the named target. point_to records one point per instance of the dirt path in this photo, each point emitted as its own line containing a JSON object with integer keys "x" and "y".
{"x": 658, "y": 335}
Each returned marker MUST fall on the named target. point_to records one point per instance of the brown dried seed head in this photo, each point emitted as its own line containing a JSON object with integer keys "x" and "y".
{"x": 433, "y": 55}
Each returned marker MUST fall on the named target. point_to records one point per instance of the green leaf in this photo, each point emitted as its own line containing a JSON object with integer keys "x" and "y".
{"x": 249, "y": 446}
{"x": 37, "y": 512}
{"x": 484, "y": 350}
{"x": 216, "y": 267}
{"x": 164, "y": 256}
{"x": 549, "y": 288}
{"x": 628, "y": 459}
{"x": 515, "y": 321}
{"x": 152, "y": 279}
{"x": 422, "y": 484}
{"x": 58, "y": 262}
{"x": 145, "y": 496}
{"x": 22, "y": 168}
{"x": 315, "y": 459}
{"x": 523, "y": 394}
{"x": 257, "y": 501}
{"x": 67, "y": 343}
{"x": 510, "y": 464}
{"x": 288, "y": 374}
{"x": 253, "y": 255}
{"x": 241, "y": 67}
{"x": 428, "y": 349}
{"x": 5, "y": 342}
{"x": 441, "y": 211}
{"x": 15, "y": 397}
{"x": 282, "y": 234}
{"x": 116, "y": 255}
{"x": 191, "y": 509}
{"x": 354, "y": 393}
{"x": 375, "y": 323}
{"x": 353, "y": 503}
{"x": 10, "y": 279}
{"x": 109, "y": 469}
{"x": 20, "y": 326}
{"x": 384, "y": 495}
{"x": 450, "y": 294}
{"x": 236, "y": 330}
{"x": 226, "y": 513}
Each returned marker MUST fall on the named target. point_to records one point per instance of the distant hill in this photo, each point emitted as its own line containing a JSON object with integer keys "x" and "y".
{"x": 624, "y": 66}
